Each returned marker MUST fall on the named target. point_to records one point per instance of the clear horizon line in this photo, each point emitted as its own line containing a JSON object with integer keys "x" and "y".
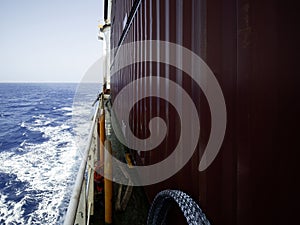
{"x": 39, "y": 81}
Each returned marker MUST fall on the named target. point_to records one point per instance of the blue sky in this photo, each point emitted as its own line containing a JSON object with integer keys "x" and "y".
{"x": 48, "y": 40}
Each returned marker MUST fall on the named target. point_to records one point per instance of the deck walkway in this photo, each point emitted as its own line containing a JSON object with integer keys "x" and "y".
{"x": 136, "y": 210}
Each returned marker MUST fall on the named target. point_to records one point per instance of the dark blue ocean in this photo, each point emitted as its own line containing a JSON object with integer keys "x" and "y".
{"x": 42, "y": 130}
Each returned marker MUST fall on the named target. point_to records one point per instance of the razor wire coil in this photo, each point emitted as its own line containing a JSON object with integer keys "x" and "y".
{"x": 163, "y": 202}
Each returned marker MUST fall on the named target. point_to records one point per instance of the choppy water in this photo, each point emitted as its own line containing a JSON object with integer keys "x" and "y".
{"x": 39, "y": 149}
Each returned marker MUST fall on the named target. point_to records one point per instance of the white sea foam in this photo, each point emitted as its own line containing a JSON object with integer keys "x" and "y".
{"x": 68, "y": 110}
{"x": 47, "y": 168}
{"x": 65, "y": 109}
{"x": 68, "y": 114}
{"x": 10, "y": 211}
{"x": 23, "y": 143}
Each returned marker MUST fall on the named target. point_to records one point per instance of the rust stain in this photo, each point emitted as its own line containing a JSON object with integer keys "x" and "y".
{"x": 245, "y": 30}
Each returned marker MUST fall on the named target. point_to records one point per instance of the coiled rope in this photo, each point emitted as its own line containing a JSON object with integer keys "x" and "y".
{"x": 163, "y": 201}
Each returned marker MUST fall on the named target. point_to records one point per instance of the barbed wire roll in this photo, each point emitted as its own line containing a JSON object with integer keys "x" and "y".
{"x": 163, "y": 201}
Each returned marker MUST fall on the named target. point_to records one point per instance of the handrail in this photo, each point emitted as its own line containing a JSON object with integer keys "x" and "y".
{"x": 74, "y": 201}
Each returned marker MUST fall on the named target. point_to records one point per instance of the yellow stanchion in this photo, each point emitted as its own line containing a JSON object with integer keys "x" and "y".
{"x": 108, "y": 182}
{"x": 102, "y": 137}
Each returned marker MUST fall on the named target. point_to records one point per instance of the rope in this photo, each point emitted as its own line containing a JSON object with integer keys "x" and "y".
{"x": 165, "y": 199}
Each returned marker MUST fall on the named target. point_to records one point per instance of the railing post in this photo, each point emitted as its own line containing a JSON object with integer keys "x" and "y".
{"x": 102, "y": 136}
{"x": 90, "y": 187}
{"x": 81, "y": 210}
{"x": 108, "y": 183}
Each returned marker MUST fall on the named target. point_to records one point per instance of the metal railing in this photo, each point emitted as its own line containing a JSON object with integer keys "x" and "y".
{"x": 82, "y": 200}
